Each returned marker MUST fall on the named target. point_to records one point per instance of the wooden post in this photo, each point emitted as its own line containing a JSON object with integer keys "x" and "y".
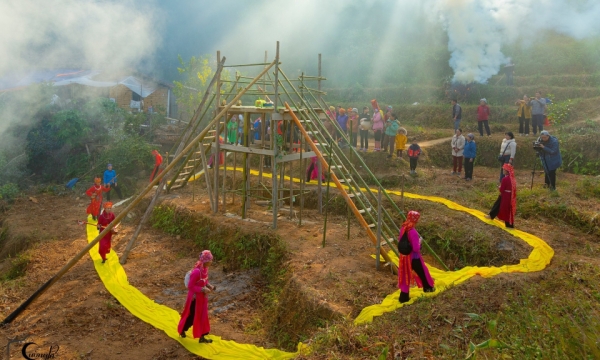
{"x": 217, "y": 144}
{"x": 327, "y": 198}
{"x": 225, "y": 178}
{"x": 246, "y": 120}
{"x": 378, "y": 260}
{"x": 207, "y": 179}
{"x": 320, "y": 186}
{"x": 274, "y": 142}
{"x": 402, "y": 195}
{"x": 302, "y": 178}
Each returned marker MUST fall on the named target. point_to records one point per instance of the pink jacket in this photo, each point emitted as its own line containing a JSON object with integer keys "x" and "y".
{"x": 377, "y": 121}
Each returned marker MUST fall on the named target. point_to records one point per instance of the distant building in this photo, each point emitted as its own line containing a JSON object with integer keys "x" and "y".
{"x": 130, "y": 92}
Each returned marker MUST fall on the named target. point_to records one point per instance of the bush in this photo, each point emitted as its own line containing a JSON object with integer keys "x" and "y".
{"x": 9, "y": 191}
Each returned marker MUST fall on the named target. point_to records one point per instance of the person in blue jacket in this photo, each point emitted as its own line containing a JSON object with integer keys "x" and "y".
{"x": 110, "y": 180}
{"x": 469, "y": 154}
{"x": 548, "y": 150}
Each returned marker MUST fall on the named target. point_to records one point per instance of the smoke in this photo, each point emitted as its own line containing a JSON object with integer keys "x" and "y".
{"x": 76, "y": 33}
{"x": 478, "y": 29}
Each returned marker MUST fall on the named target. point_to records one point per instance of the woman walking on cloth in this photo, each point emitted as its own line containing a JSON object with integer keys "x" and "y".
{"x": 412, "y": 264}
{"x": 505, "y": 206}
{"x": 195, "y": 312}
{"x": 104, "y": 220}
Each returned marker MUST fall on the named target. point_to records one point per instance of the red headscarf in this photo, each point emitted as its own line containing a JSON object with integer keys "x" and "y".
{"x": 205, "y": 256}
{"x": 404, "y": 261}
{"x": 513, "y": 194}
{"x": 374, "y": 104}
{"x": 97, "y": 180}
{"x": 108, "y": 205}
{"x": 411, "y": 220}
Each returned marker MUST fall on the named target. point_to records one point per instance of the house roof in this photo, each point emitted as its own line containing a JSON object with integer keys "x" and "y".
{"x": 62, "y": 77}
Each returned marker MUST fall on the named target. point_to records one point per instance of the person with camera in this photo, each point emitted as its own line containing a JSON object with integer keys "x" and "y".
{"x": 548, "y": 150}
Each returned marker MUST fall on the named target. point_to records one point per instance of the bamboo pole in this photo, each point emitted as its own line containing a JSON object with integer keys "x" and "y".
{"x": 245, "y": 170}
{"x": 302, "y": 178}
{"x": 207, "y": 178}
{"x": 120, "y": 217}
{"x": 274, "y": 141}
{"x": 378, "y": 260}
{"x": 327, "y": 198}
{"x": 233, "y": 188}
{"x": 217, "y": 143}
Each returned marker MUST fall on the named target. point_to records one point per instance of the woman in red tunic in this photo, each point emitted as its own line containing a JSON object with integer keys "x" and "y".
{"x": 157, "y": 162}
{"x": 104, "y": 219}
{"x": 505, "y": 206}
{"x": 195, "y": 312}
{"x": 95, "y": 194}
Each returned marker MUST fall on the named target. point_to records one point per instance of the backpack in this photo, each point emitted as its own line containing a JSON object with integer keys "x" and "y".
{"x": 186, "y": 279}
{"x": 404, "y": 246}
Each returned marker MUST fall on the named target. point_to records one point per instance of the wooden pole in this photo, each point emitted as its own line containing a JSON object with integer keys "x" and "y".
{"x": 224, "y": 178}
{"x": 274, "y": 141}
{"x": 302, "y": 178}
{"x": 130, "y": 207}
{"x": 217, "y": 142}
{"x": 402, "y": 195}
{"x": 207, "y": 178}
{"x": 245, "y": 164}
{"x": 327, "y": 199}
{"x": 233, "y": 188}
{"x": 378, "y": 260}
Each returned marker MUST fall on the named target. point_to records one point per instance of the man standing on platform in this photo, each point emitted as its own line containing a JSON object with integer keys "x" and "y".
{"x": 110, "y": 181}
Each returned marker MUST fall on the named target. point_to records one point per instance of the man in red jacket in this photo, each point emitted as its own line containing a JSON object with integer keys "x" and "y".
{"x": 157, "y": 162}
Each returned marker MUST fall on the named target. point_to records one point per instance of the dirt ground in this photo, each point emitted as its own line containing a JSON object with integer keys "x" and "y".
{"x": 86, "y": 322}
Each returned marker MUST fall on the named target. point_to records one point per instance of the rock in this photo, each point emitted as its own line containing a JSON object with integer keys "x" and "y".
{"x": 32, "y": 199}
{"x": 504, "y": 245}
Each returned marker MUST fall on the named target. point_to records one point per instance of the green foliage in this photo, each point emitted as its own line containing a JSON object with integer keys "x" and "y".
{"x": 587, "y": 188}
{"x": 9, "y": 191}
{"x": 18, "y": 266}
{"x": 69, "y": 127}
{"x": 559, "y": 112}
{"x": 128, "y": 156}
{"x": 235, "y": 248}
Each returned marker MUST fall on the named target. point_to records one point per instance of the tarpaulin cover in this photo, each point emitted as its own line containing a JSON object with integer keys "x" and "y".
{"x": 166, "y": 319}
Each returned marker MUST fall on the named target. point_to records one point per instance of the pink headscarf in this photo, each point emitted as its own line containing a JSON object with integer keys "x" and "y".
{"x": 205, "y": 256}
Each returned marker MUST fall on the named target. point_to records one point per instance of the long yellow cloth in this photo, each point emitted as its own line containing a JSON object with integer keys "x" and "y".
{"x": 538, "y": 259}
{"x": 166, "y": 319}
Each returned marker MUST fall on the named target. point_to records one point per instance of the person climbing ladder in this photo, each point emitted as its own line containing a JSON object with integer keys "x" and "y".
{"x": 157, "y": 162}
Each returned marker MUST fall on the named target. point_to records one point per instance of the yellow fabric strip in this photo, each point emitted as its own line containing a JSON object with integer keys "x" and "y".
{"x": 166, "y": 319}
{"x": 538, "y": 259}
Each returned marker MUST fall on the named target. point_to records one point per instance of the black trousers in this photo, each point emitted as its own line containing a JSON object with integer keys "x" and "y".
{"x": 550, "y": 179}
{"x": 364, "y": 139}
{"x": 468, "y": 168}
{"x": 417, "y": 267}
{"x": 413, "y": 163}
{"x": 309, "y": 170}
{"x": 537, "y": 122}
{"x": 353, "y": 138}
{"x": 480, "y": 125}
{"x": 190, "y": 319}
{"x": 117, "y": 189}
{"x": 523, "y": 125}
{"x": 496, "y": 209}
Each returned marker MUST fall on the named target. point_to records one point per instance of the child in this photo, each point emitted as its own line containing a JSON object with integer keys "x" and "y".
{"x": 400, "y": 141}
{"x": 195, "y": 312}
{"x": 95, "y": 194}
{"x": 390, "y": 132}
{"x": 414, "y": 150}
{"x": 469, "y": 155}
{"x": 231, "y": 130}
{"x": 110, "y": 181}
{"x": 104, "y": 220}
